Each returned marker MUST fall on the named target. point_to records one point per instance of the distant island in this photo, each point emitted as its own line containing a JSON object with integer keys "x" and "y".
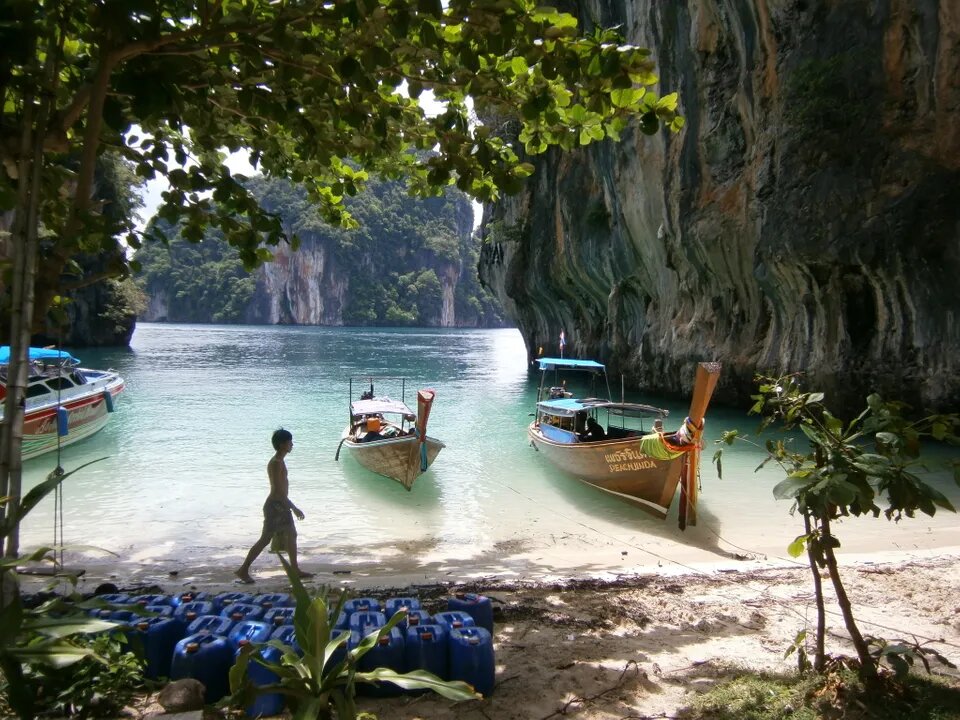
{"x": 412, "y": 262}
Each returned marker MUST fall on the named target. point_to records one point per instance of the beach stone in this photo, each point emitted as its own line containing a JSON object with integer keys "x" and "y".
{"x": 182, "y": 696}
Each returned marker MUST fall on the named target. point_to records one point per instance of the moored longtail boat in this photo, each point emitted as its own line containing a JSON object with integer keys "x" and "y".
{"x": 65, "y": 403}
{"x": 590, "y": 438}
{"x": 386, "y": 437}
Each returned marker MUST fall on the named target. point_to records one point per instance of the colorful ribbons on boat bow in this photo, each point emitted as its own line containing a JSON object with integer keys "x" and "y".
{"x": 684, "y": 440}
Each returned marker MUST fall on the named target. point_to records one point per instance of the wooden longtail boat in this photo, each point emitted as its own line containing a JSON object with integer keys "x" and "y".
{"x": 590, "y": 438}
{"x": 65, "y": 403}
{"x": 386, "y": 437}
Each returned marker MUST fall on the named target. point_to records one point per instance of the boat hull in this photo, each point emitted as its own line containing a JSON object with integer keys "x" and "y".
{"x": 618, "y": 467}
{"x": 87, "y": 413}
{"x": 395, "y": 458}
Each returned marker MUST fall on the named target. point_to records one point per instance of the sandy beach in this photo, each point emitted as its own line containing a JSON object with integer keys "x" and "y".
{"x": 600, "y": 644}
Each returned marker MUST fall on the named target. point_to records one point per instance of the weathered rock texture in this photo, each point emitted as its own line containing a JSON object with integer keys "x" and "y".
{"x": 806, "y": 219}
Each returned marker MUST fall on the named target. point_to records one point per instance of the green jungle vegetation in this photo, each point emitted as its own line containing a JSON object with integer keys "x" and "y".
{"x": 739, "y": 694}
{"x": 392, "y": 262}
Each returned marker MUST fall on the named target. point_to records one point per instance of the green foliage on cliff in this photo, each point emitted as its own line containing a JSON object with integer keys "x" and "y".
{"x": 394, "y": 265}
{"x": 201, "y": 282}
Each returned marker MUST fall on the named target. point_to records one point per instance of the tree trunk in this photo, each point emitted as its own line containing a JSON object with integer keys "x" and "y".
{"x": 26, "y": 246}
{"x": 868, "y": 668}
{"x": 11, "y": 432}
{"x": 815, "y": 556}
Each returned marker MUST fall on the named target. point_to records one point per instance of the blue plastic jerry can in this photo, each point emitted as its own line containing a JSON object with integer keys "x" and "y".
{"x": 415, "y": 618}
{"x": 472, "y": 658}
{"x": 279, "y": 615}
{"x": 387, "y": 653}
{"x": 158, "y": 636}
{"x": 210, "y": 625}
{"x": 267, "y": 704}
{"x": 206, "y": 658}
{"x": 144, "y": 600}
{"x": 242, "y": 611}
{"x": 361, "y": 604}
{"x": 425, "y": 648}
{"x": 453, "y": 619}
{"x": 365, "y": 622}
{"x": 272, "y": 600}
{"x": 392, "y": 605}
{"x": 249, "y": 631}
{"x": 478, "y": 607}
{"x": 287, "y": 634}
{"x": 224, "y": 599}
{"x": 161, "y": 610}
{"x": 190, "y": 596}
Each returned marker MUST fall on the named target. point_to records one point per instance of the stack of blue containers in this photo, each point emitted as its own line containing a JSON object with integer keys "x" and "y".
{"x": 194, "y": 635}
{"x": 453, "y": 645}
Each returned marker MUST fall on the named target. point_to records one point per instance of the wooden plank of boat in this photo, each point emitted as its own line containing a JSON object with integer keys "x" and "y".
{"x": 706, "y": 381}
{"x": 619, "y": 467}
{"x": 395, "y": 458}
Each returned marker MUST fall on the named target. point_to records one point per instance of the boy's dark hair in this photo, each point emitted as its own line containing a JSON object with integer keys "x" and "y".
{"x": 280, "y": 437}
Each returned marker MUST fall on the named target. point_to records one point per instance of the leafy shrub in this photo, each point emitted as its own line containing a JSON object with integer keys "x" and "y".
{"x": 98, "y": 686}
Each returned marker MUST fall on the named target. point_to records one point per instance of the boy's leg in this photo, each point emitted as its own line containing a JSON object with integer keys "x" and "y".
{"x": 292, "y": 553}
{"x": 243, "y": 572}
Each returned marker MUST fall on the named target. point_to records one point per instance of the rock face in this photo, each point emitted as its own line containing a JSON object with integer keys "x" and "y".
{"x": 807, "y": 219}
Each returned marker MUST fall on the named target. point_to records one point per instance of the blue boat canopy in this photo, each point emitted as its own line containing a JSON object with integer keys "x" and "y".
{"x": 562, "y": 407}
{"x": 40, "y": 354}
{"x": 568, "y": 407}
{"x": 570, "y": 364}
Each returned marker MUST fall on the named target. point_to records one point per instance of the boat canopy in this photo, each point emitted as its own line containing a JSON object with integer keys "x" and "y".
{"x": 380, "y": 406}
{"x": 570, "y": 364}
{"x": 568, "y": 407}
{"x": 40, "y": 354}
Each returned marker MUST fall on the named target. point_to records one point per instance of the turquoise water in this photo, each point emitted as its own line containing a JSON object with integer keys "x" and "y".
{"x": 186, "y": 453}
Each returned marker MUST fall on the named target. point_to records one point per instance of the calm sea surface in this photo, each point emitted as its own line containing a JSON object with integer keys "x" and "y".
{"x": 187, "y": 448}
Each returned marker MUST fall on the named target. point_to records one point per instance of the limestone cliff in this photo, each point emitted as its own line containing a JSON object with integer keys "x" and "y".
{"x": 410, "y": 262}
{"x": 806, "y": 219}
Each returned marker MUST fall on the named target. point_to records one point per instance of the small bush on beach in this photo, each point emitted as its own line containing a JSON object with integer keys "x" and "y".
{"x": 838, "y": 693}
{"x": 97, "y": 686}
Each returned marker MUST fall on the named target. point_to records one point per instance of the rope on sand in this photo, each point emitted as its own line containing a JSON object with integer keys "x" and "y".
{"x": 765, "y": 593}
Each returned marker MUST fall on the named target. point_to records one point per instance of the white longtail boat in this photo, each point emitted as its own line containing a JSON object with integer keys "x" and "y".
{"x": 65, "y": 403}
{"x": 591, "y": 439}
{"x": 386, "y": 437}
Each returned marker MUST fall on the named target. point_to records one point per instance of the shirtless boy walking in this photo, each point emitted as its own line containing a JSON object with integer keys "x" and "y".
{"x": 278, "y": 511}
